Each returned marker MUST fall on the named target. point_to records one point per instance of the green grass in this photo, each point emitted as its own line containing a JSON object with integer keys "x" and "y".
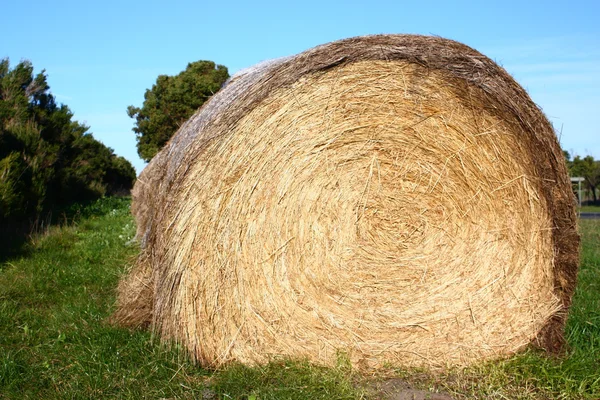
{"x": 595, "y": 209}
{"x": 55, "y": 341}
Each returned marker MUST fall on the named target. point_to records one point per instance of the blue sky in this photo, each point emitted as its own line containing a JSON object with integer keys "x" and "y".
{"x": 100, "y": 57}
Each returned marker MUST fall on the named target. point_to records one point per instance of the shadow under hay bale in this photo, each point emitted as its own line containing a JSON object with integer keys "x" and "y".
{"x": 396, "y": 197}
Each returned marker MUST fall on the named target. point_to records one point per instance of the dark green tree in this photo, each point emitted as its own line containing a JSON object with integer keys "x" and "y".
{"x": 119, "y": 176}
{"x": 171, "y": 101}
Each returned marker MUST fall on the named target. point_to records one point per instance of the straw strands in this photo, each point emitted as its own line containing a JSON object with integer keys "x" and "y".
{"x": 399, "y": 198}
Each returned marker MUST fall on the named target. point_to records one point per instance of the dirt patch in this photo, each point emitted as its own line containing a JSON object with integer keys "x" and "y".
{"x": 400, "y": 389}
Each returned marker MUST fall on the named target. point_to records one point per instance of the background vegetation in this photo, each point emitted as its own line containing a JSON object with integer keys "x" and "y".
{"x": 47, "y": 160}
{"x": 171, "y": 101}
{"x": 589, "y": 169}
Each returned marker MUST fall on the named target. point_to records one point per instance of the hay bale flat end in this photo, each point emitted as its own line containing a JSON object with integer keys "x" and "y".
{"x": 399, "y": 198}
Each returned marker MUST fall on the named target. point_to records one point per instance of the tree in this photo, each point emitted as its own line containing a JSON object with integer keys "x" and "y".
{"x": 589, "y": 169}
{"x": 172, "y": 101}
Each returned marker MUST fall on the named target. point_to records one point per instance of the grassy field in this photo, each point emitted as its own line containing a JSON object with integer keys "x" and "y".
{"x": 55, "y": 342}
{"x": 595, "y": 209}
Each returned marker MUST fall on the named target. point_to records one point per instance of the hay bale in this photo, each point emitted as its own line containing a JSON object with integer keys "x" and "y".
{"x": 396, "y": 197}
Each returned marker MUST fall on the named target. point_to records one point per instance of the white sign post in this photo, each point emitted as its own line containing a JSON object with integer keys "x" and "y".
{"x": 578, "y": 179}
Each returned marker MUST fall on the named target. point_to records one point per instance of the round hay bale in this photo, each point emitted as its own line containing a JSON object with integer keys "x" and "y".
{"x": 399, "y": 198}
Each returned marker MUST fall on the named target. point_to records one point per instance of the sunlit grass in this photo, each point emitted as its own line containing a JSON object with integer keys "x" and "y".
{"x": 593, "y": 209}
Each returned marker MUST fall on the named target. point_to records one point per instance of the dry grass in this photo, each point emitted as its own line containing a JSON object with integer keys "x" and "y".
{"x": 394, "y": 197}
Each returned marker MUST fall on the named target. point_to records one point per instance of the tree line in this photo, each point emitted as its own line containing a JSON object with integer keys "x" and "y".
{"x": 587, "y": 168}
{"x": 47, "y": 159}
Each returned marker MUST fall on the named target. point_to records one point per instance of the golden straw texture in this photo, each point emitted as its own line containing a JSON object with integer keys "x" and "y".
{"x": 398, "y": 198}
